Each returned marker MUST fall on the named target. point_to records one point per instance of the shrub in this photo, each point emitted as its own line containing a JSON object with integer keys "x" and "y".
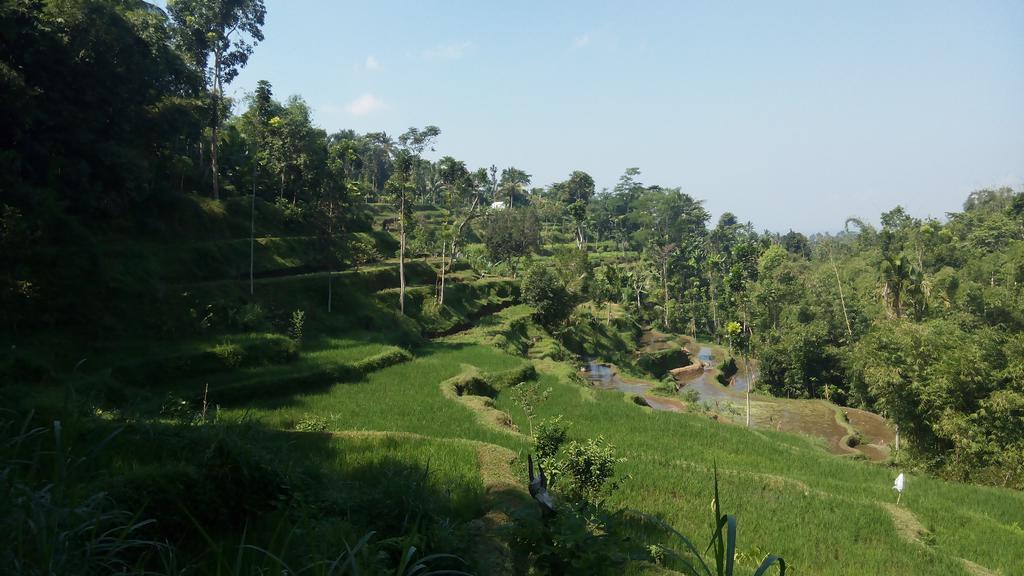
{"x": 527, "y": 395}
{"x": 296, "y": 325}
{"x": 728, "y": 369}
{"x": 248, "y": 317}
{"x": 667, "y": 386}
{"x": 551, "y": 434}
{"x": 584, "y": 474}
{"x": 658, "y": 363}
{"x": 311, "y": 423}
{"x": 548, "y": 295}
{"x": 230, "y": 354}
{"x": 691, "y": 396}
{"x": 363, "y": 250}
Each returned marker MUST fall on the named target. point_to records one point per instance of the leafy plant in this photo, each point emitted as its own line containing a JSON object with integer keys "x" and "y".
{"x": 551, "y": 434}
{"x": 311, "y": 423}
{"x": 297, "y": 325}
{"x": 527, "y": 395}
{"x": 584, "y": 474}
{"x": 723, "y": 541}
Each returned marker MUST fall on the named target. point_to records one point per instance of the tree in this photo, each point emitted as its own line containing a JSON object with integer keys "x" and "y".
{"x": 513, "y": 183}
{"x": 575, "y": 194}
{"x": 665, "y": 222}
{"x": 255, "y": 126}
{"x": 550, "y": 299}
{"x": 224, "y": 31}
{"x": 510, "y": 235}
{"x": 402, "y": 185}
{"x": 454, "y": 178}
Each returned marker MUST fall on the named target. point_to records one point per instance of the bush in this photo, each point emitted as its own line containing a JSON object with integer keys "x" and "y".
{"x": 551, "y": 434}
{"x": 728, "y": 369}
{"x": 548, "y": 295}
{"x": 691, "y": 396}
{"x": 311, "y": 423}
{"x": 249, "y": 317}
{"x": 363, "y": 251}
{"x": 296, "y": 325}
{"x": 658, "y": 363}
{"x": 230, "y": 354}
{"x": 584, "y": 474}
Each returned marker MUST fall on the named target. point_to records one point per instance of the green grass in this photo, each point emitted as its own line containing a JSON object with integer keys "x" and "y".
{"x": 820, "y": 512}
{"x": 401, "y": 398}
{"x": 363, "y": 370}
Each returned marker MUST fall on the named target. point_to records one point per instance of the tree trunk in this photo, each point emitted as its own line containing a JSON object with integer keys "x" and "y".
{"x": 664, "y": 288}
{"x": 401, "y": 255}
{"x": 330, "y": 264}
{"x": 842, "y": 300}
{"x": 750, "y": 384}
{"x": 214, "y": 144}
{"x": 714, "y": 309}
{"x": 252, "y": 232}
{"x": 444, "y": 246}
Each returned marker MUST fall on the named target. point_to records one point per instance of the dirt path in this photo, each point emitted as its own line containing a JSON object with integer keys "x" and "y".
{"x": 910, "y": 529}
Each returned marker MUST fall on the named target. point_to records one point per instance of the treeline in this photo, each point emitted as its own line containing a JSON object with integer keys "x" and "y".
{"x": 113, "y": 111}
{"x": 920, "y": 320}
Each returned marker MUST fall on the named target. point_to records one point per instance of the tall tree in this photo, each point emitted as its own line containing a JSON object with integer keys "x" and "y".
{"x": 454, "y": 178}
{"x": 513, "y": 183}
{"x": 575, "y": 194}
{"x": 402, "y": 185}
{"x": 219, "y": 35}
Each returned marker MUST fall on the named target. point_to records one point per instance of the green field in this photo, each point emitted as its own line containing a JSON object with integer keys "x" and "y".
{"x": 825, "y": 514}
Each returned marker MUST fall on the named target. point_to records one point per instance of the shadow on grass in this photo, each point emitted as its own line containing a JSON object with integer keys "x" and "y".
{"x": 202, "y": 491}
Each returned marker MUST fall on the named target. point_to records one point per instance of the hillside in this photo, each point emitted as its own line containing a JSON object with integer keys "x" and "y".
{"x": 234, "y": 342}
{"x": 366, "y": 398}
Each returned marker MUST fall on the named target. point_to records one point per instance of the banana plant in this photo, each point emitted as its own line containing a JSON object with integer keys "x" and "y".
{"x": 723, "y": 541}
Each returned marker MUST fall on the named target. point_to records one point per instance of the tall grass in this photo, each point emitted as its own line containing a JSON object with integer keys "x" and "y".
{"x": 821, "y": 512}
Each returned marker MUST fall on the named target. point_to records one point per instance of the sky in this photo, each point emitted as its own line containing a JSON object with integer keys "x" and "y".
{"x": 792, "y": 115}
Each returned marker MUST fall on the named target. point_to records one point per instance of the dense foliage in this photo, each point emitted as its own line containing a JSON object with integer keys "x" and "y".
{"x": 133, "y": 194}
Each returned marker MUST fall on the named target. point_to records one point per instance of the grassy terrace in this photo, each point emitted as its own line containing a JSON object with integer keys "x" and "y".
{"x": 401, "y": 398}
{"x": 825, "y": 514}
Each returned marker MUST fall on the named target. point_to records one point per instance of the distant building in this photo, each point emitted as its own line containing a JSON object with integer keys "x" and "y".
{"x": 499, "y": 205}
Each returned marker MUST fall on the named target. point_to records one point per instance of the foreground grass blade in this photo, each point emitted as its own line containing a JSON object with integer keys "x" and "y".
{"x": 730, "y": 546}
{"x": 771, "y": 559}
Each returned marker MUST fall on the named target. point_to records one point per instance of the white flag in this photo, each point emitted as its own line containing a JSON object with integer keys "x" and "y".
{"x": 898, "y": 485}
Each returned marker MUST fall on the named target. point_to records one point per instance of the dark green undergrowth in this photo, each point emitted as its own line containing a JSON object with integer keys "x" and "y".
{"x": 87, "y": 496}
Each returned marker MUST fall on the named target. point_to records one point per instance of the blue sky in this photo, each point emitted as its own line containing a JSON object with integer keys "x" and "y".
{"x": 789, "y": 114}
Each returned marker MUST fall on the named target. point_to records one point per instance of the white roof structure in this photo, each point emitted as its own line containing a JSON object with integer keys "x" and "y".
{"x": 499, "y": 205}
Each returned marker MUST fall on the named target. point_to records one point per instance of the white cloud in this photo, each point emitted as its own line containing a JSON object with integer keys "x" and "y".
{"x": 581, "y": 41}
{"x": 365, "y": 104}
{"x": 372, "y": 63}
{"x": 452, "y": 51}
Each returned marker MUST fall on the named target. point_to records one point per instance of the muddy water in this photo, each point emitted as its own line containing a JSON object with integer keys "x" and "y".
{"x": 705, "y": 383}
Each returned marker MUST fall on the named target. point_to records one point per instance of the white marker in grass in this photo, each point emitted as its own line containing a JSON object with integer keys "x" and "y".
{"x": 898, "y": 487}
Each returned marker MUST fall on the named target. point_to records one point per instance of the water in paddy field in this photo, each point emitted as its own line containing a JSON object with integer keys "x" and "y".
{"x": 811, "y": 417}
{"x": 604, "y": 377}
